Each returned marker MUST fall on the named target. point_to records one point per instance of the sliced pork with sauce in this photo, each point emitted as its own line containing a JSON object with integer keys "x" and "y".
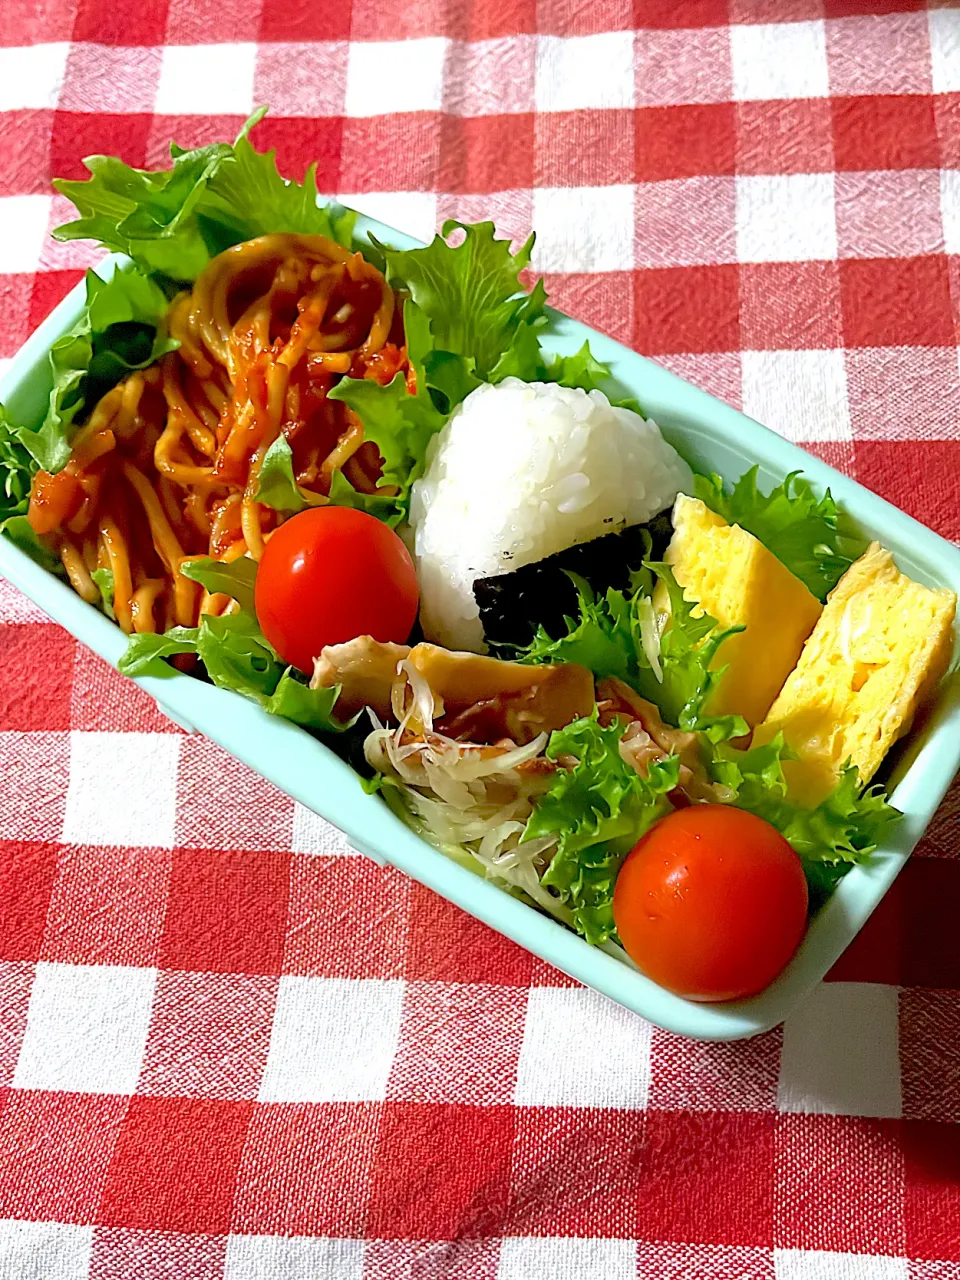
{"x": 475, "y": 698}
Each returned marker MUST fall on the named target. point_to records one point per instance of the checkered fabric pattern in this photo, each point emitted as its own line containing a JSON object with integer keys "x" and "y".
{"x": 231, "y": 1048}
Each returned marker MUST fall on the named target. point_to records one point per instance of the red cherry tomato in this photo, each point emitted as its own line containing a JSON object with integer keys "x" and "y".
{"x": 711, "y": 903}
{"x": 328, "y": 575}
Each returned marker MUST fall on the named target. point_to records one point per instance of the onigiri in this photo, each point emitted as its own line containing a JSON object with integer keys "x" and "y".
{"x": 520, "y": 471}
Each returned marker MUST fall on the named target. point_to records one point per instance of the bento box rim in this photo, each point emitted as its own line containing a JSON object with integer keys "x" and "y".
{"x": 316, "y": 777}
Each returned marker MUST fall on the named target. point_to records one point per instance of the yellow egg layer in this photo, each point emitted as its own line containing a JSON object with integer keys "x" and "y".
{"x": 733, "y": 577}
{"x": 881, "y": 642}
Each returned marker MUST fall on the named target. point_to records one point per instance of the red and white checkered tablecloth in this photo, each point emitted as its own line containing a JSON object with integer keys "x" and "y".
{"x": 229, "y": 1047}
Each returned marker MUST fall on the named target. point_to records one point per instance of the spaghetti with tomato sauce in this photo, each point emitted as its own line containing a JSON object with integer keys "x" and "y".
{"x": 167, "y": 465}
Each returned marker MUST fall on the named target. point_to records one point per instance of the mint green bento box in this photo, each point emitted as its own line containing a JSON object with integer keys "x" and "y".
{"x": 713, "y": 437}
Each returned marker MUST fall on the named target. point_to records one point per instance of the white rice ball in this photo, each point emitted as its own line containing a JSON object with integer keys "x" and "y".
{"x": 521, "y": 470}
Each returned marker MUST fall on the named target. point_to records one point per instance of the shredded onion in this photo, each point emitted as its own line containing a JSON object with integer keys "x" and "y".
{"x": 475, "y": 797}
{"x": 420, "y": 712}
{"x": 650, "y": 636}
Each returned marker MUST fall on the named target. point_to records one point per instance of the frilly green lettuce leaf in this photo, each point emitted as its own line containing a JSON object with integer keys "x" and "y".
{"x": 171, "y": 222}
{"x": 106, "y": 586}
{"x": 17, "y": 469}
{"x": 120, "y": 329}
{"x": 526, "y": 360}
{"x": 248, "y": 187}
{"x": 277, "y": 488}
{"x": 841, "y": 831}
{"x": 20, "y": 532}
{"x": 236, "y": 579}
{"x": 343, "y": 494}
{"x": 146, "y": 655}
{"x": 688, "y": 647}
{"x": 399, "y": 423}
{"x": 236, "y": 656}
{"x": 598, "y": 808}
{"x": 607, "y": 638}
{"x": 277, "y": 485}
{"x": 235, "y": 653}
{"x": 470, "y": 293}
{"x": 812, "y": 536}
{"x": 484, "y": 326}
{"x": 449, "y": 377}
{"x": 151, "y": 217}
{"x": 310, "y": 708}
{"x": 582, "y": 369}
{"x": 604, "y": 638}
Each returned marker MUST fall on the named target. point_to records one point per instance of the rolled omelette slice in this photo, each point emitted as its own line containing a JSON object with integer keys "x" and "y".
{"x": 881, "y": 643}
{"x": 732, "y": 576}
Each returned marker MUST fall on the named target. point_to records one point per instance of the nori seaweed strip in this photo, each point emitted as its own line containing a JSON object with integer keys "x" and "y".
{"x": 512, "y": 605}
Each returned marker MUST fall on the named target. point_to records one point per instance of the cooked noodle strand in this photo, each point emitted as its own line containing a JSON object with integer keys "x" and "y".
{"x": 167, "y": 465}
